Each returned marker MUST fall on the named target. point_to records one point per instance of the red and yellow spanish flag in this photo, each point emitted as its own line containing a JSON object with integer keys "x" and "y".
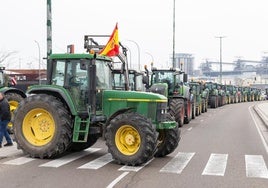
{"x": 112, "y": 46}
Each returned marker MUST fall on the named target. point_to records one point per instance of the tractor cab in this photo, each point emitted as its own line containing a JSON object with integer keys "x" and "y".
{"x": 74, "y": 75}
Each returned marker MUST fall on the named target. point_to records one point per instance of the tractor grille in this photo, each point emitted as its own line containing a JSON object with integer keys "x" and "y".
{"x": 161, "y": 112}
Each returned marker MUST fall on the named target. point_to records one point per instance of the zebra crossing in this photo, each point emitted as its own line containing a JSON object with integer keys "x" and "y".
{"x": 255, "y": 166}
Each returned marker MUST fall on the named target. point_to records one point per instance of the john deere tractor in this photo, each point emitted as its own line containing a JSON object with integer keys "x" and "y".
{"x": 172, "y": 84}
{"x": 200, "y": 97}
{"x": 77, "y": 106}
{"x": 13, "y": 95}
{"x": 135, "y": 80}
{"x": 213, "y": 94}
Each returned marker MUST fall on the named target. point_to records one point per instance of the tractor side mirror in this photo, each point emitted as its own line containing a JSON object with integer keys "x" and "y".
{"x": 145, "y": 80}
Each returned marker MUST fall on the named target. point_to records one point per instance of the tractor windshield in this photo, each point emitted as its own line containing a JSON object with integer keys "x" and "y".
{"x": 163, "y": 76}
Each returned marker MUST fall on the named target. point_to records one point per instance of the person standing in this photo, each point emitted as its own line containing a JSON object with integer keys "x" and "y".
{"x": 5, "y": 117}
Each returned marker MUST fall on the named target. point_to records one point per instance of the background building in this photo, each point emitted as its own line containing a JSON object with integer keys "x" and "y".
{"x": 185, "y": 62}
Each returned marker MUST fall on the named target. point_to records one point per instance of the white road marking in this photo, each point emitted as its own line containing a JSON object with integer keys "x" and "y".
{"x": 190, "y": 128}
{"x": 19, "y": 161}
{"x": 117, "y": 180}
{"x": 216, "y": 165}
{"x": 134, "y": 168}
{"x": 178, "y": 163}
{"x": 69, "y": 158}
{"x": 98, "y": 163}
{"x": 255, "y": 166}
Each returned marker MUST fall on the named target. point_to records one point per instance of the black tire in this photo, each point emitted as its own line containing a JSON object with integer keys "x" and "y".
{"x": 131, "y": 139}
{"x": 193, "y": 110}
{"x": 203, "y": 109}
{"x": 188, "y": 112}
{"x": 177, "y": 110}
{"x": 214, "y": 102}
{"x": 13, "y": 100}
{"x": 168, "y": 140}
{"x": 79, "y": 146}
{"x": 42, "y": 126}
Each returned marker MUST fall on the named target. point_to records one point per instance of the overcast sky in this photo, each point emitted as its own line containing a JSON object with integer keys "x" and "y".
{"x": 147, "y": 22}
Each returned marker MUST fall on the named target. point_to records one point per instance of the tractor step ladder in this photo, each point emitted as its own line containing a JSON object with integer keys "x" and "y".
{"x": 81, "y": 129}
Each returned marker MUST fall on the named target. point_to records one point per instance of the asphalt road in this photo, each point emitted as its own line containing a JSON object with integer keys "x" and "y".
{"x": 221, "y": 148}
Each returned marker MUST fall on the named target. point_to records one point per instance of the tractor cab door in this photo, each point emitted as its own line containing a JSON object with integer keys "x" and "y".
{"x": 104, "y": 81}
{"x": 70, "y": 75}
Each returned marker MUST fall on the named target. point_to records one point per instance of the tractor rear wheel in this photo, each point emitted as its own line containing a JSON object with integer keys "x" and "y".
{"x": 177, "y": 110}
{"x": 42, "y": 126}
{"x": 13, "y": 100}
{"x": 193, "y": 110}
{"x": 168, "y": 140}
{"x": 203, "y": 109}
{"x": 131, "y": 139}
{"x": 214, "y": 102}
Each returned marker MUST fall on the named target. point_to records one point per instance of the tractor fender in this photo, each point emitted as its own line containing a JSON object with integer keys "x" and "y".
{"x": 57, "y": 92}
{"x": 121, "y": 111}
{"x": 6, "y": 90}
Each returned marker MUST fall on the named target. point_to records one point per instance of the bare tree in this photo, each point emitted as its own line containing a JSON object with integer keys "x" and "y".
{"x": 5, "y": 55}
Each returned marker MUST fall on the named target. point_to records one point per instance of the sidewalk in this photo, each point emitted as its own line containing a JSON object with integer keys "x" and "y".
{"x": 262, "y": 110}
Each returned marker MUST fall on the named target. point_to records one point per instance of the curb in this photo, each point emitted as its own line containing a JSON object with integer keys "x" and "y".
{"x": 263, "y": 117}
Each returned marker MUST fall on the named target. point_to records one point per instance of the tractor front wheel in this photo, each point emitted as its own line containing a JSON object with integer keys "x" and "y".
{"x": 168, "y": 140}
{"x": 131, "y": 139}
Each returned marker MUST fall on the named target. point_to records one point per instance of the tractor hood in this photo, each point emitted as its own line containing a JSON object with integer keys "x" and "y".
{"x": 133, "y": 96}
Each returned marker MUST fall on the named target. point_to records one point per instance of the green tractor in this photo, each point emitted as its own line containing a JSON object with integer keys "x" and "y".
{"x": 12, "y": 94}
{"x": 172, "y": 84}
{"x": 197, "y": 100}
{"x": 78, "y": 105}
{"x": 257, "y": 94}
{"x": 222, "y": 95}
{"x": 136, "y": 82}
{"x": 213, "y": 99}
{"x": 240, "y": 94}
{"x": 200, "y": 97}
{"x": 233, "y": 93}
{"x": 247, "y": 94}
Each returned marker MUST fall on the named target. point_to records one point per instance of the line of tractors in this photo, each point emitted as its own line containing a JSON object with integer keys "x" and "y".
{"x": 138, "y": 114}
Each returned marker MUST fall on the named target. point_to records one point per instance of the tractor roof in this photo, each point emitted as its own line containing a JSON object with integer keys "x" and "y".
{"x": 78, "y": 56}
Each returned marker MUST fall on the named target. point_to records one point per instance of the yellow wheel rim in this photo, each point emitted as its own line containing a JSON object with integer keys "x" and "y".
{"x": 38, "y": 127}
{"x": 13, "y": 106}
{"x": 127, "y": 140}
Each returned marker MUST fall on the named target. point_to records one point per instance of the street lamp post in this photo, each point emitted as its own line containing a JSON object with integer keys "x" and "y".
{"x": 151, "y": 57}
{"x": 139, "y": 57}
{"x": 173, "y": 47}
{"x": 220, "y": 37}
{"x": 39, "y": 66}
